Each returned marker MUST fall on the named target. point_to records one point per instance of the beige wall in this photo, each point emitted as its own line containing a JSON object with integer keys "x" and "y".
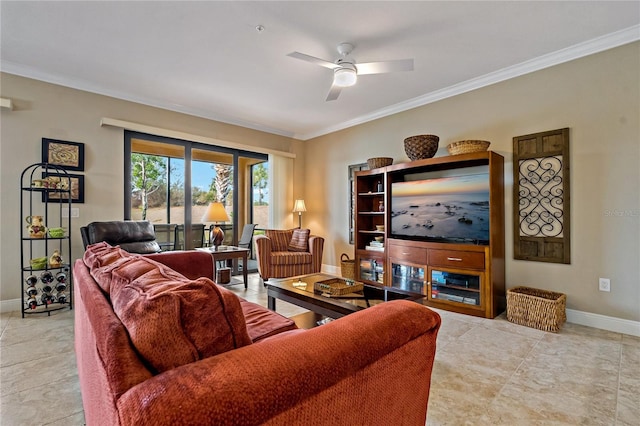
{"x": 46, "y": 110}
{"x": 597, "y": 97}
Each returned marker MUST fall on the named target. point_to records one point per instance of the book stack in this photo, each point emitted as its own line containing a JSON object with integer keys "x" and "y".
{"x": 375, "y": 246}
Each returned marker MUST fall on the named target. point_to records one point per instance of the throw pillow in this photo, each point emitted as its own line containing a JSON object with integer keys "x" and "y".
{"x": 171, "y": 320}
{"x": 300, "y": 240}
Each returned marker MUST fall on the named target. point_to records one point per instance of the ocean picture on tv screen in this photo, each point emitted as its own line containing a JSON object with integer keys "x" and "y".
{"x": 447, "y": 209}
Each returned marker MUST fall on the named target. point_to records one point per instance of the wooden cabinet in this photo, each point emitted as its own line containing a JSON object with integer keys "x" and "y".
{"x": 465, "y": 275}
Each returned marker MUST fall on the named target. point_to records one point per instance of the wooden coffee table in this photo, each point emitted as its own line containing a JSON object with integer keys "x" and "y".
{"x": 300, "y": 291}
{"x": 228, "y": 253}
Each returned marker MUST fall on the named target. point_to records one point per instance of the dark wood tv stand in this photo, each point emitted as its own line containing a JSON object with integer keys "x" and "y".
{"x": 462, "y": 277}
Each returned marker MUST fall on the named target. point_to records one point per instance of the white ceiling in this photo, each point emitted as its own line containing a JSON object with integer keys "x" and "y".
{"x": 207, "y": 58}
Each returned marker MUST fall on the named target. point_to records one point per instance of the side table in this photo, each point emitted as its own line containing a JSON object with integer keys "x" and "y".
{"x": 228, "y": 253}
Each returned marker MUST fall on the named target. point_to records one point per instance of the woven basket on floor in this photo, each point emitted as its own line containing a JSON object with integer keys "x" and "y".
{"x": 347, "y": 267}
{"x": 421, "y": 146}
{"x": 377, "y": 162}
{"x": 532, "y": 307}
{"x": 468, "y": 146}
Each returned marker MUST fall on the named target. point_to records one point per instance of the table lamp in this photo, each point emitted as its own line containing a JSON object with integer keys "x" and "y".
{"x": 299, "y": 207}
{"x": 215, "y": 213}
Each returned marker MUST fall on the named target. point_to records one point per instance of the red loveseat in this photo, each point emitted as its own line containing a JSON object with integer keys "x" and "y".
{"x": 160, "y": 345}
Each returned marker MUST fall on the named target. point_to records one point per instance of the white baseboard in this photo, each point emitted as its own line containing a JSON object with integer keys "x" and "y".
{"x": 11, "y": 305}
{"x": 604, "y": 322}
{"x": 331, "y": 270}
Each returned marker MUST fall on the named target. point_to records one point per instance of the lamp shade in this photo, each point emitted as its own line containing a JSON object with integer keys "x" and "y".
{"x": 299, "y": 206}
{"x": 215, "y": 213}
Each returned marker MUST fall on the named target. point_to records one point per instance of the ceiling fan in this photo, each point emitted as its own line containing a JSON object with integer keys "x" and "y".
{"x": 346, "y": 70}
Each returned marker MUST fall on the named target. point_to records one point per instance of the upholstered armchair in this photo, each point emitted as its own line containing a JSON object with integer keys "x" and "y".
{"x": 287, "y": 253}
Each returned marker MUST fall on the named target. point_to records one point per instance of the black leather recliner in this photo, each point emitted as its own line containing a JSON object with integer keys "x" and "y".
{"x": 134, "y": 236}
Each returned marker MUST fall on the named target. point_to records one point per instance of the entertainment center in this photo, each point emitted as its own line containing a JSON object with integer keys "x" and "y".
{"x": 436, "y": 227}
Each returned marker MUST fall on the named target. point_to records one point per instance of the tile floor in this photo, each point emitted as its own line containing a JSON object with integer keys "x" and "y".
{"x": 487, "y": 372}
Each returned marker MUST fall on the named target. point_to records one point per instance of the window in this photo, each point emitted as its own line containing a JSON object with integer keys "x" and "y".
{"x": 163, "y": 175}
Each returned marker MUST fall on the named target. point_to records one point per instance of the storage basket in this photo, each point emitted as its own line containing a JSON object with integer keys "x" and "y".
{"x": 223, "y": 276}
{"x": 532, "y": 307}
{"x": 347, "y": 266}
{"x": 467, "y": 146}
{"x": 421, "y": 146}
{"x": 377, "y": 162}
{"x": 338, "y": 286}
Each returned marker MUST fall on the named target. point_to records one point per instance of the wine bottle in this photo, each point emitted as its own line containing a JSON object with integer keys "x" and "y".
{"x": 32, "y": 303}
{"x": 46, "y": 277}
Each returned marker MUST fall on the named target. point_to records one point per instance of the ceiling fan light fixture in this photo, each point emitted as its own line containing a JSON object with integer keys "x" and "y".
{"x": 345, "y": 77}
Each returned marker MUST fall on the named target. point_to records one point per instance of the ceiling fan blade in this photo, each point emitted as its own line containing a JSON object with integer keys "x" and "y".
{"x": 334, "y": 92}
{"x": 313, "y": 60}
{"x": 385, "y": 66}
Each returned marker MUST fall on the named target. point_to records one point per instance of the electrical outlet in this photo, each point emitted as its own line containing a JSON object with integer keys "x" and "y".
{"x": 75, "y": 212}
{"x": 604, "y": 284}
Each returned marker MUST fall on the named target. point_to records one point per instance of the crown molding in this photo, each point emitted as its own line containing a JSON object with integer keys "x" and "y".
{"x": 580, "y": 50}
{"x": 590, "y": 47}
{"x": 79, "y": 84}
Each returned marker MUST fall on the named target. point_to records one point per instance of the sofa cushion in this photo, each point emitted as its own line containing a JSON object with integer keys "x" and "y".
{"x": 263, "y": 323}
{"x": 171, "y": 320}
{"x": 299, "y": 240}
{"x": 280, "y": 239}
{"x": 291, "y": 258}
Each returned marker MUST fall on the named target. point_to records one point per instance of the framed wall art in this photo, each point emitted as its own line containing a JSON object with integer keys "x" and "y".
{"x": 74, "y": 182}
{"x": 64, "y": 154}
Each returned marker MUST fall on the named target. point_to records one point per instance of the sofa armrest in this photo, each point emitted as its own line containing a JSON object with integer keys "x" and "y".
{"x": 384, "y": 353}
{"x": 316, "y": 247}
{"x": 192, "y": 264}
{"x": 263, "y": 253}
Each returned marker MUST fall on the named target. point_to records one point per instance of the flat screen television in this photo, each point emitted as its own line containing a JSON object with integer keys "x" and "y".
{"x": 442, "y": 206}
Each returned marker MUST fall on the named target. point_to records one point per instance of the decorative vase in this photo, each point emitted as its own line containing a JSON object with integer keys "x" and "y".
{"x": 55, "y": 261}
{"x": 380, "y": 206}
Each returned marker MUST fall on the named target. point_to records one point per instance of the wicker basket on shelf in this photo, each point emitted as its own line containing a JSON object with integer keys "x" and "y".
{"x": 467, "y": 146}
{"x": 532, "y": 307}
{"x": 421, "y": 146}
{"x": 377, "y": 162}
{"x": 347, "y": 267}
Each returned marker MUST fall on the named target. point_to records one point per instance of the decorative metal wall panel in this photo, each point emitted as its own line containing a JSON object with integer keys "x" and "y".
{"x": 541, "y": 202}
{"x": 541, "y": 207}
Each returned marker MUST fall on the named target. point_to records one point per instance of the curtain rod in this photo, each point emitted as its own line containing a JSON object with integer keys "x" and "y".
{"x": 159, "y": 131}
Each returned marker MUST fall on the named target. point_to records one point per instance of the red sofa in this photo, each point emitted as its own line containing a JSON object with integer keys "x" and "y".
{"x": 160, "y": 345}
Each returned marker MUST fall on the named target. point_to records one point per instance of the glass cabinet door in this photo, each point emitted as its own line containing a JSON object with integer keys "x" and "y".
{"x": 458, "y": 286}
{"x": 372, "y": 270}
{"x": 409, "y": 278}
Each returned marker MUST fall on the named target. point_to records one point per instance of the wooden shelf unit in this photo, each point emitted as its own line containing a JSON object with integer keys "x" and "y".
{"x": 465, "y": 278}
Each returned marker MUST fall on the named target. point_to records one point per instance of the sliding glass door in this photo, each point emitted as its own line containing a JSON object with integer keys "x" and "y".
{"x": 163, "y": 175}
